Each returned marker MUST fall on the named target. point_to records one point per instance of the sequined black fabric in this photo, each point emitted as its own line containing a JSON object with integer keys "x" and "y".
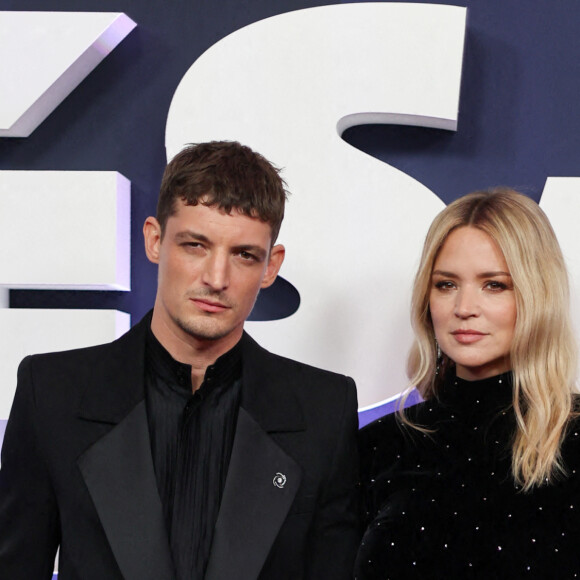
{"x": 445, "y": 506}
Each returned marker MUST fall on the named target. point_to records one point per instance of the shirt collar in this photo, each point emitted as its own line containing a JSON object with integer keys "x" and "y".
{"x": 225, "y": 370}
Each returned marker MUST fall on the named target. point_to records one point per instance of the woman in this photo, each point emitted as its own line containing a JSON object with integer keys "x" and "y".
{"x": 482, "y": 479}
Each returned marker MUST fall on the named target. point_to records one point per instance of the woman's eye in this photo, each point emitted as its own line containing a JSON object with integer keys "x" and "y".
{"x": 445, "y": 285}
{"x": 495, "y": 285}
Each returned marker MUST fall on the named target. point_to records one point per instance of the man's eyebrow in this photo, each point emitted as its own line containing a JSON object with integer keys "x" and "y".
{"x": 258, "y": 251}
{"x": 189, "y": 234}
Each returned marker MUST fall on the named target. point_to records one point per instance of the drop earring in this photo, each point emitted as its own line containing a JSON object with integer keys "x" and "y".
{"x": 439, "y": 358}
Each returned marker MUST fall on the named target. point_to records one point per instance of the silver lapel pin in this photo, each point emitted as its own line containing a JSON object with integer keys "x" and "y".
{"x": 279, "y": 480}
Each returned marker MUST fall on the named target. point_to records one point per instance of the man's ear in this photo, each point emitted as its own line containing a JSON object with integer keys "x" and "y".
{"x": 275, "y": 260}
{"x": 152, "y": 238}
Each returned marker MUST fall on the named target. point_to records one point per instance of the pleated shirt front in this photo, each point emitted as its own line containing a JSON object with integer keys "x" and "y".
{"x": 192, "y": 435}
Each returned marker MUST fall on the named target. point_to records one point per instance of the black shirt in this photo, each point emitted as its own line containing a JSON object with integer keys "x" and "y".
{"x": 191, "y": 442}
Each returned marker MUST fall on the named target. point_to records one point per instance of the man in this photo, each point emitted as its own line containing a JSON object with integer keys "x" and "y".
{"x": 183, "y": 449}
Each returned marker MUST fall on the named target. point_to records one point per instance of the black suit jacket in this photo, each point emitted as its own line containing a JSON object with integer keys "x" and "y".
{"x": 77, "y": 472}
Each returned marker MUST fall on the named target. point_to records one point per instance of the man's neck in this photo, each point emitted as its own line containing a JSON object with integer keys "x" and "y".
{"x": 190, "y": 350}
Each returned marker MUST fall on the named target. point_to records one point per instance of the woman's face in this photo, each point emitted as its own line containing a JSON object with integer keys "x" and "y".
{"x": 472, "y": 304}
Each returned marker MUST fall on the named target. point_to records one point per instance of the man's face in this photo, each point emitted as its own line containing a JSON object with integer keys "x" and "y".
{"x": 211, "y": 268}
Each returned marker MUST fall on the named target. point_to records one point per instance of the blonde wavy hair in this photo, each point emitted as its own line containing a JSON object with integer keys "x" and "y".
{"x": 543, "y": 352}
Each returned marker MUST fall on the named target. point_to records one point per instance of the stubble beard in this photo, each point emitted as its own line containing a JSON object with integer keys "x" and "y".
{"x": 206, "y": 329}
{"x": 206, "y": 326}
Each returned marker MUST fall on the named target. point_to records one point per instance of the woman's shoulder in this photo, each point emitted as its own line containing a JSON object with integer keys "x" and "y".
{"x": 379, "y": 426}
{"x": 391, "y": 431}
{"x": 386, "y": 426}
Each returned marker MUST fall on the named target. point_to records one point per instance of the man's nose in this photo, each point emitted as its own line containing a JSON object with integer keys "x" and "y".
{"x": 216, "y": 273}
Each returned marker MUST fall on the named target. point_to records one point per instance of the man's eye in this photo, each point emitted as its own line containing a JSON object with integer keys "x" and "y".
{"x": 247, "y": 256}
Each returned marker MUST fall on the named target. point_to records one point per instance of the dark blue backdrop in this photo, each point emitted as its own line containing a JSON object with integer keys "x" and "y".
{"x": 518, "y": 124}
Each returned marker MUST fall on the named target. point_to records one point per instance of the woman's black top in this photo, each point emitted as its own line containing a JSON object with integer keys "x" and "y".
{"x": 444, "y": 505}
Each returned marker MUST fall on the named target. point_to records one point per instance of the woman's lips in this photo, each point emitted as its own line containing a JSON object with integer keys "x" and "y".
{"x": 468, "y": 336}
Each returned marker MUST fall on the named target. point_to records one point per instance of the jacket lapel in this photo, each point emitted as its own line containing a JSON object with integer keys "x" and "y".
{"x": 118, "y": 467}
{"x": 262, "y": 479}
{"x": 118, "y": 471}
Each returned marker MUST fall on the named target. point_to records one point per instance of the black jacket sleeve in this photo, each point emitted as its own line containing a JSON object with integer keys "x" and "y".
{"x": 335, "y": 533}
{"x": 29, "y": 524}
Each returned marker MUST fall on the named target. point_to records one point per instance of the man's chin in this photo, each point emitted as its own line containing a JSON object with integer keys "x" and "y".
{"x": 203, "y": 331}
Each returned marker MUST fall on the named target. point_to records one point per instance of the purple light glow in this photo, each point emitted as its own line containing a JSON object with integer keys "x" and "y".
{"x": 2, "y": 430}
{"x": 369, "y": 415}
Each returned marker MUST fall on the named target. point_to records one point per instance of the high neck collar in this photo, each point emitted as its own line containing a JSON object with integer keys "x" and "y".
{"x": 490, "y": 393}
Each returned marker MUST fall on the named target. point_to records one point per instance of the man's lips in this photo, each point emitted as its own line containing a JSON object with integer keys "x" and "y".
{"x": 209, "y": 305}
{"x": 468, "y": 336}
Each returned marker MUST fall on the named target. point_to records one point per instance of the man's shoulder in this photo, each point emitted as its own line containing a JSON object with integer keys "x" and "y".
{"x": 307, "y": 369}
{"x": 284, "y": 367}
{"x": 88, "y": 356}
{"x": 57, "y": 357}
{"x": 276, "y": 378}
